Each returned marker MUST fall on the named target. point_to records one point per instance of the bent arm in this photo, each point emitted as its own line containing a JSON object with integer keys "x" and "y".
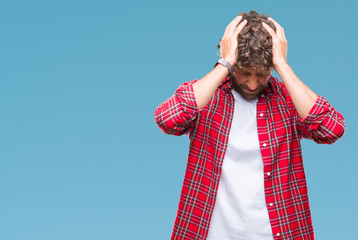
{"x": 177, "y": 114}
{"x": 206, "y": 87}
{"x": 323, "y": 123}
{"x": 302, "y": 96}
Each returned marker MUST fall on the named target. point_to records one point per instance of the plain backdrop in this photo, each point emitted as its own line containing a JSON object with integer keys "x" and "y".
{"x": 80, "y": 154}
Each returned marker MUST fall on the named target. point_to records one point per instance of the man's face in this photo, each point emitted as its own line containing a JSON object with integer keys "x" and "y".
{"x": 249, "y": 82}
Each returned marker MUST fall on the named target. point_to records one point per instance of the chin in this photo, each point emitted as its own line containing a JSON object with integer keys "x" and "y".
{"x": 246, "y": 95}
{"x": 250, "y": 96}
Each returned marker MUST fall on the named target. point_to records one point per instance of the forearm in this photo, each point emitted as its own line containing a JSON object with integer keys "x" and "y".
{"x": 303, "y": 98}
{"x": 205, "y": 88}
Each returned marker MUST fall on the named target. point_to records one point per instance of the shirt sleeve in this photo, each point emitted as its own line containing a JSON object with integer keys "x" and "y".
{"x": 323, "y": 123}
{"x": 177, "y": 114}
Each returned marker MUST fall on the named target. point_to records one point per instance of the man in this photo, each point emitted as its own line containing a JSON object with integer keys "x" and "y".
{"x": 244, "y": 177}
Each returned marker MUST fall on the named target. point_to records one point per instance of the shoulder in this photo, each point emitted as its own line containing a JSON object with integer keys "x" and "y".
{"x": 279, "y": 89}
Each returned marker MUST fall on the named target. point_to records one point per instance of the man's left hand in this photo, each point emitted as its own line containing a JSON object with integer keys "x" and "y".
{"x": 279, "y": 44}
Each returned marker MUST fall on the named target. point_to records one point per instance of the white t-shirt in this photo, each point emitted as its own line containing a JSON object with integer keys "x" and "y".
{"x": 240, "y": 211}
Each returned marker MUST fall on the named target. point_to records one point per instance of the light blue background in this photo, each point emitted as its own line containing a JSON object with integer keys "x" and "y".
{"x": 81, "y": 156}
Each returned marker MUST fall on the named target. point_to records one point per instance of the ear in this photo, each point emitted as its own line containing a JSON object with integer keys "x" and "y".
{"x": 234, "y": 73}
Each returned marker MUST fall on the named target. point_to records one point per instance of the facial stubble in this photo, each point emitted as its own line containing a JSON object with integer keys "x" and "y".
{"x": 239, "y": 88}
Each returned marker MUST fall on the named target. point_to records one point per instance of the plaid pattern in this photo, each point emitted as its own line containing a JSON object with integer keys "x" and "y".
{"x": 280, "y": 130}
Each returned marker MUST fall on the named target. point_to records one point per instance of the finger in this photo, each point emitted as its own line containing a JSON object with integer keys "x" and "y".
{"x": 240, "y": 27}
{"x": 279, "y": 30}
{"x": 228, "y": 26}
{"x": 231, "y": 27}
{"x": 228, "y": 30}
{"x": 235, "y": 21}
{"x": 273, "y": 20}
{"x": 269, "y": 30}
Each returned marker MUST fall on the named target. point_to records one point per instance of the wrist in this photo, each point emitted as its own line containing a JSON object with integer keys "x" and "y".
{"x": 224, "y": 62}
{"x": 231, "y": 60}
{"x": 222, "y": 68}
{"x": 284, "y": 70}
{"x": 281, "y": 66}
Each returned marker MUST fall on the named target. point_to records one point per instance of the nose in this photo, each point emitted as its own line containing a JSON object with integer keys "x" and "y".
{"x": 252, "y": 84}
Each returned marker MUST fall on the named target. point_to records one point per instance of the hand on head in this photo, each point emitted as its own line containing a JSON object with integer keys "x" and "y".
{"x": 279, "y": 43}
{"x": 228, "y": 43}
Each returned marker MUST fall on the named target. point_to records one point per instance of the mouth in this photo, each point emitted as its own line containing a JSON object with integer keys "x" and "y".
{"x": 251, "y": 91}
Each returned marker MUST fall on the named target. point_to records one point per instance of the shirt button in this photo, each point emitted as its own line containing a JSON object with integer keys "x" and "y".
{"x": 268, "y": 174}
{"x": 271, "y": 204}
{"x": 264, "y": 144}
{"x": 277, "y": 234}
{"x": 262, "y": 95}
{"x": 261, "y": 114}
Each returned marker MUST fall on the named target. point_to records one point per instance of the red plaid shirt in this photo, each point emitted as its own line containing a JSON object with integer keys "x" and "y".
{"x": 280, "y": 130}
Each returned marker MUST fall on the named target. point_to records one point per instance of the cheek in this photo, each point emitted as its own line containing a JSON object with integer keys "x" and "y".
{"x": 238, "y": 79}
{"x": 264, "y": 81}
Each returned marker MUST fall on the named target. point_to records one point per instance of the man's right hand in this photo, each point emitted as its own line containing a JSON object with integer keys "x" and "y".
{"x": 228, "y": 43}
{"x": 205, "y": 88}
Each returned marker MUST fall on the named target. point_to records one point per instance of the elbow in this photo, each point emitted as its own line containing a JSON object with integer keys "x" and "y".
{"x": 160, "y": 120}
{"x": 169, "y": 124}
{"x": 339, "y": 132}
{"x": 332, "y": 134}
{"x": 339, "y": 128}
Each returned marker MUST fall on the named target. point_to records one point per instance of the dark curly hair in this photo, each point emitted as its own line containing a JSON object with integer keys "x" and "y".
{"x": 255, "y": 43}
